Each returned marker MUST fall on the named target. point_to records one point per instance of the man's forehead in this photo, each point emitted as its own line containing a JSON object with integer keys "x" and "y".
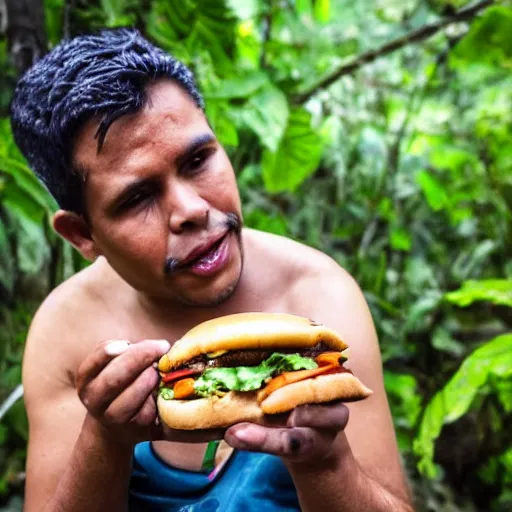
{"x": 168, "y": 117}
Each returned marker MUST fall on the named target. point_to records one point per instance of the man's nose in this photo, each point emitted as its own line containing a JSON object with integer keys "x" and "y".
{"x": 188, "y": 209}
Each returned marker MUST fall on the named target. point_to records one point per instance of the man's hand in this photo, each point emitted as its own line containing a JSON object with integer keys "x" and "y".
{"x": 308, "y": 436}
{"x": 115, "y": 384}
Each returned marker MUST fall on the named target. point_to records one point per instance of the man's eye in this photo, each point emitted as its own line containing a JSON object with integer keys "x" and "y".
{"x": 136, "y": 199}
{"x": 198, "y": 160}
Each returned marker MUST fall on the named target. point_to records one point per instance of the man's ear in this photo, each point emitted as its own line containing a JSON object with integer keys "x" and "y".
{"x": 76, "y": 231}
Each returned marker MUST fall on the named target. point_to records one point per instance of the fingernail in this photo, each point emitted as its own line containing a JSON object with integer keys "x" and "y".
{"x": 251, "y": 434}
{"x": 114, "y": 348}
{"x": 243, "y": 435}
{"x": 162, "y": 345}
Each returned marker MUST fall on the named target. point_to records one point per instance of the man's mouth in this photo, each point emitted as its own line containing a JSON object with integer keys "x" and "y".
{"x": 206, "y": 259}
{"x": 204, "y": 252}
{"x": 211, "y": 255}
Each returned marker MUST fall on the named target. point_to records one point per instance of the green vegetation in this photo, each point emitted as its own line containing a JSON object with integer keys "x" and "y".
{"x": 400, "y": 167}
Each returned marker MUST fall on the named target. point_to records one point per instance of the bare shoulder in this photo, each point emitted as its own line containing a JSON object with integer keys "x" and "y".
{"x": 306, "y": 270}
{"x": 326, "y": 292}
{"x": 296, "y": 259}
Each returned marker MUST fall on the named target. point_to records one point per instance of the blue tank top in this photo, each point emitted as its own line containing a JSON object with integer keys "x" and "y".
{"x": 248, "y": 482}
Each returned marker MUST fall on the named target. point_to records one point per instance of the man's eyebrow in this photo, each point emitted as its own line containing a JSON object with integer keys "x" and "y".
{"x": 196, "y": 143}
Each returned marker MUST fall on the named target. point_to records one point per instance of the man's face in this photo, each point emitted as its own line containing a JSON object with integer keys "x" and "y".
{"x": 162, "y": 200}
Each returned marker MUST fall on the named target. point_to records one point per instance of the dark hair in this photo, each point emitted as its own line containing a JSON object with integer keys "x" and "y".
{"x": 103, "y": 74}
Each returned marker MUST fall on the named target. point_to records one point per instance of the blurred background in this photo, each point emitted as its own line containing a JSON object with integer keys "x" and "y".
{"x": 378, "y": 131}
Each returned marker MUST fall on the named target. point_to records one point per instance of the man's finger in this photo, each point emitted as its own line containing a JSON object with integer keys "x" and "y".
{"x": 334, "y": 417}
{"x": 98, "y": 359}
{"x": 131, "y": 400}
{"x": 122, "y": 371}
{"x": 104, "y": 353}
{"x": 147, "y": 414}
{"x": 291, "y": 443}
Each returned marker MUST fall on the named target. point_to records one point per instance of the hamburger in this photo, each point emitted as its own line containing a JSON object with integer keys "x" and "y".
{"x": 241, "y": 367}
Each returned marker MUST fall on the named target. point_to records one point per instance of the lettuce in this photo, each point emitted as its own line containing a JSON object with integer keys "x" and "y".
{"x": 166, "y": 393}
{"x": 250, "y": 378}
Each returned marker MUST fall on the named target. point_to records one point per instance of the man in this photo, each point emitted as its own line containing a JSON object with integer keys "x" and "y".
{"x": 115, "y": 129}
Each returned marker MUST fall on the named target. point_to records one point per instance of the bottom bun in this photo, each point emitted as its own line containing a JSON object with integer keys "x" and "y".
{"x": 213, "y": 412}
{"x": 235, "y": 407}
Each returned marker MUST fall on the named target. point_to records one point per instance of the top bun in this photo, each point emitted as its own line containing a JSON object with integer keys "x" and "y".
{"x": 244, "y": 331}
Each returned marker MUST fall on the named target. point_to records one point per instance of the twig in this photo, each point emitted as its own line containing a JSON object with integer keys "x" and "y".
{"x": 267, "y": 28}
{"x": 11, "y": 400}
{"x": 3, "y": 17}
{"x": 68, "y": 7}
{"x": 413, "y": 37}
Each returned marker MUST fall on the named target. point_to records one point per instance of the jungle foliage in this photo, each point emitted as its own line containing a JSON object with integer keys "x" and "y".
{"x": 399, "y": 167}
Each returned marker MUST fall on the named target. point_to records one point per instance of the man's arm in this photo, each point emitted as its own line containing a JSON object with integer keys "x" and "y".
{"x": 76, "y": 460}
{"x": 89, "y": 474}
{"x": 341, "y": 484}
{"x": 369, "y": 432}
{"x": 337, "y": 465}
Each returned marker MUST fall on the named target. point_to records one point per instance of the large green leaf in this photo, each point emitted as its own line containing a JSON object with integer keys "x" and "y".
{"x": 488, "y": 39}
{"x": 266, "y": 114}
{"x": 504, "y": 392}
{"x": 191, "y": 27}
{"x": 17, "y": 201}
{"x": 32, "y": 246}
{"x": 242, "y": 85}
{"x": 28, "y": 182}
{"x": 297, "y": 156}
{"x": 219, "y": 117}
{"x": 475, "y": 376}
{"x": 497, "y": 291}
{"x": 15, "y": 174}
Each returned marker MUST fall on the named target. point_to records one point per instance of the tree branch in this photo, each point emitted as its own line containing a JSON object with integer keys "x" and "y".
{"x": 412, "y": 37}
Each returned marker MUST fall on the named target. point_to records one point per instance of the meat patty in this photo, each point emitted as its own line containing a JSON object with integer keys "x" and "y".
{"x": 247, "y": 357}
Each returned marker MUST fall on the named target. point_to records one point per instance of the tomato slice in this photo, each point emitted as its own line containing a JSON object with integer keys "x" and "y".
{"x": 179, "y": 374}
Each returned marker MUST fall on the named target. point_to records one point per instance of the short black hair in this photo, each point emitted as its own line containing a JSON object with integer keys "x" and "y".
{"x": 102, "y": 74}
